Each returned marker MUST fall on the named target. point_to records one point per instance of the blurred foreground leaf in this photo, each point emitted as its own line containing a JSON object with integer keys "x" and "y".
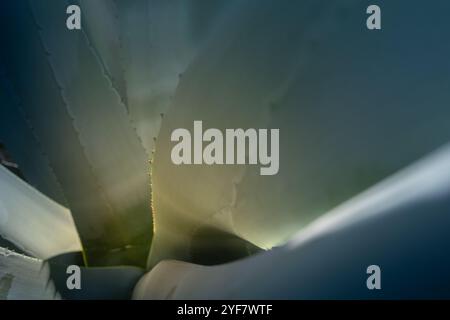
{"x": 36, "y": 224}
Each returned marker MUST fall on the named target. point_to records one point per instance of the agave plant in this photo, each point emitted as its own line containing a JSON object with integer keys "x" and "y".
{"x": 87, "y": 116}
{"x": 88, "y": 107}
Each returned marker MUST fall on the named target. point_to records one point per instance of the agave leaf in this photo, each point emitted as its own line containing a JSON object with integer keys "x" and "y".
{"x": 33, "y": 222}
{"x": 113, "y": 149}
{"x": 150, "y": 74}
{"x": 329, "y": 258}
{"x": 99, "y": 19}
{"x": 145, "y": 67}
{"x": 24, "y": 278}
{"x": 83, "y": 129}
{"x": 292, "y": 66}
{"x": 40, "y": 95}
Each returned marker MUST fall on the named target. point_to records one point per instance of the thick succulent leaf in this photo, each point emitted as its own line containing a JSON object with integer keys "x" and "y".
{"x": 309, "y": 69}
{"x": 99, "y": 22}
{"x": 24, "y": 278}
{"x": 34, "y": 223}
{"x": 83, "y": 128}
{"x": 329, "y": 258}
{"x": 118, "y": 159}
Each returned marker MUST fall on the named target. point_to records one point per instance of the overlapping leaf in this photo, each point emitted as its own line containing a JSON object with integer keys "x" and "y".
{"x": 83, "y": 128}
{"x": 352, "y": 107}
